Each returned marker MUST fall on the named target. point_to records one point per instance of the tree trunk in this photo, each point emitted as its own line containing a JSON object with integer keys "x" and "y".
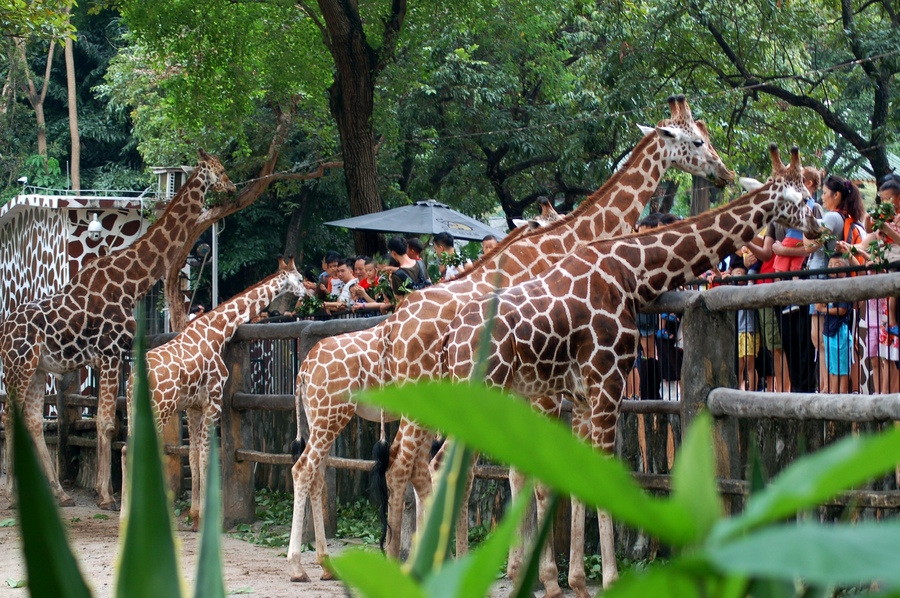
{"x": 73, "y": 117}
{"x": 699, "y": 195}
{"x": 351, "y": 99}
{"x": 34, "y": 98}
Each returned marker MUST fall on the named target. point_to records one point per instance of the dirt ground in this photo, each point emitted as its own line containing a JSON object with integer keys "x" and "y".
{"x": 249, "y": 569}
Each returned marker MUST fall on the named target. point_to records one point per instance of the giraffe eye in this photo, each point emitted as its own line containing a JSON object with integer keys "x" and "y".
{"x": 698, "y": 143}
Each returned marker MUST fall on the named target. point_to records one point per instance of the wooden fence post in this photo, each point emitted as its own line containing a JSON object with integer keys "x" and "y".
{"x": 238, "y": 500}
{"x": 709, "y": 362}
{"x": 66, "y": 462}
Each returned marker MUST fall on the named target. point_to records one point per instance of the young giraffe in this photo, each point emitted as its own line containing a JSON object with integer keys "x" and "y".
{"x": 572, "y": 329}
{"x": 678, "y": 141}
{"x": 187, "y": 373}
{"x": 91, "y": 322}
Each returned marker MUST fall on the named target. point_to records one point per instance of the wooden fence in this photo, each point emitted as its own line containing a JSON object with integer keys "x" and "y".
{"x": 783, "y": 425}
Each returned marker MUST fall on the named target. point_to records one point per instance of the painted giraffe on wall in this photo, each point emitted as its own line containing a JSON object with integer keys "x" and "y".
{"x": 91, "y": 322}
{"x": 678, "y": 141}
{"x": 572, "y": 330}
{"x": 187, "y": 373}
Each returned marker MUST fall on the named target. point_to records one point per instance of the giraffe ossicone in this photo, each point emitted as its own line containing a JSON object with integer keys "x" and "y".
{"x": 90, "y": 322}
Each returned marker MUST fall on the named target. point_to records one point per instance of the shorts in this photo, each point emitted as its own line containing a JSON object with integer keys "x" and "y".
{"x": 771, "y": 334}
{"x": 748, "y": 344}
{"x": 838, "y": 352}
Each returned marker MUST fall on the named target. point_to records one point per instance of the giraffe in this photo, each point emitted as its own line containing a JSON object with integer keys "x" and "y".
{"x": 187, "y": 373}
{"x": 572, "y": 329}
{"x": 340, "y": 365}
{"x": 91, "y": 322}
{"x": 413, "y": 336}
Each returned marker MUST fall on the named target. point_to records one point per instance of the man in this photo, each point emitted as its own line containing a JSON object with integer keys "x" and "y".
{"x": 352, "y": 294}
{"x": 410, "y": 275}
{"x": 451, "y": 264}
{"x": 359, "y": 271}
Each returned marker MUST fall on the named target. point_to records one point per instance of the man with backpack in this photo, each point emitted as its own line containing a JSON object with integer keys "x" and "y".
{"x": 410, "y": 275}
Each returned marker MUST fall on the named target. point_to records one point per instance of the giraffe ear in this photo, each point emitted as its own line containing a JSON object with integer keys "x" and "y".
{"x": 749, "y": 184}
{"x": 792, "y": 195}
{"x": 646, "y": 130}
{"x": 670, "y": 133}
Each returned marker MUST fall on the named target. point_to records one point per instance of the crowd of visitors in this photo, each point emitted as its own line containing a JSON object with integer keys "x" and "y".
{"x": 824, "y": 347}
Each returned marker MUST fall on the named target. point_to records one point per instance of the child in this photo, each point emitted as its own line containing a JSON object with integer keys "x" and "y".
{"x": 748, "y": 340}
{"x": 836, "y": 336}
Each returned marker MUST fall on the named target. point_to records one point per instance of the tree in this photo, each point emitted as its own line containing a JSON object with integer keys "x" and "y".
{"x": 835, "y": 61}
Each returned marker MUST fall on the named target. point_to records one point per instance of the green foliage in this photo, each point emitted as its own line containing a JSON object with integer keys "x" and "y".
{"x": 36, "y": 18}
{"x": 273, "y": 514}
{"x": 147, "y": 564}
{"x": 712, "y": 554}
{"x": 359, "y": 520}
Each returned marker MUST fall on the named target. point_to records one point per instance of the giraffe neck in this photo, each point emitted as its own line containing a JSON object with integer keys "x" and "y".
{"x": 610, "y": 211}
{"x": 147, "y": 260}
{"x": 663, "y": 259}
{"x": 220, "y": 325}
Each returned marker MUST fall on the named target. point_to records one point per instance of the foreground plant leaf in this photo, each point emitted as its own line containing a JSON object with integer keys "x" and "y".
{"x": 819, "y": 555}
{"x": 694, "y": 477}
{"x": 147, "y": 565}
{"x": 507, "y": 429}
{"x": 374, "y": 575}
{"x": 210, "y": 583}
{"x": 474, "y": 574}
{"x": 431, "y": 547}
{"x": 816, "y": 478}
{"x": 50, "y": 566}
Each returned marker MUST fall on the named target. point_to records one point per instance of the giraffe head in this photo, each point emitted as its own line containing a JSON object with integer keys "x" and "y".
{"x": 293, "y": 280}
{"x": 686, "y": 144}
{"x": 792, "y": 210}
{"x": 547, "y": 216}
{"x": 218, "y": 180}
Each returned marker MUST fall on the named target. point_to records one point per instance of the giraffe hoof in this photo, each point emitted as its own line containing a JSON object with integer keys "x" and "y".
{"x": 328, "y": 575}
{"x": 67, "y": 501}
{"x": 109, "y": 505}
{"x": 304, "y": 578}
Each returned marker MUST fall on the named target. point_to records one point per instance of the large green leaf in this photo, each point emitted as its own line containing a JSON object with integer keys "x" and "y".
{"x": 659, "y": 582}
{"x": 507, "y": 429}
{"x": 817, "y": 554}
{"x": 815, "y": 478}
{"x": 694, "y": 477}
{"x": 52, "y": 570}
{"x": 374, "y": 575}
{"x": 148, "y": 566}
{"x": 473, "y": 574}
{"x": 210, "y": 582}
{"x": 433, "y": 542}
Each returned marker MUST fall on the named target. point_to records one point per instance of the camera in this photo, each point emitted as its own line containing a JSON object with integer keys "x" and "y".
{"x": 95, "y": 229}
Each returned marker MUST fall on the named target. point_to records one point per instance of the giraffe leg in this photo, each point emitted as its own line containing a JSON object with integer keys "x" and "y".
{"x": 581, "y": 426}
{"x": 196, "y": 440}
{"x": 547, "y": 571}
{"x": 106, "y": 424}
{"x": 33, "y": 414}
{"x": 409, "y": 440}
{"x": 603, "y": 436}
{"x": 462, "y": 522}
{"x": 318, "y": 496}
{"x": 305, "y": 476}
{"x": 421, "y": 481}
{"x": 517, "y": 550}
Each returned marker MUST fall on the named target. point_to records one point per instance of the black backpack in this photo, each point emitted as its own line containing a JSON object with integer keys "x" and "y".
{"x": 418, "y": 283}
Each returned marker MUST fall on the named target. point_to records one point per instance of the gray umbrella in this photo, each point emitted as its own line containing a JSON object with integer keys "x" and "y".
{"x": 426, "y": 217}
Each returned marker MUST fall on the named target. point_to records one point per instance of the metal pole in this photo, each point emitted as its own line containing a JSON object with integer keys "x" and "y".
{"x": 215, "y": 265}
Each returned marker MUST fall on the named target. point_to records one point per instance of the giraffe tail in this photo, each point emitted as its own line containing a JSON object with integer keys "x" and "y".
{"x": 381, "y": 453}
{"x": 297, "y": 447}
